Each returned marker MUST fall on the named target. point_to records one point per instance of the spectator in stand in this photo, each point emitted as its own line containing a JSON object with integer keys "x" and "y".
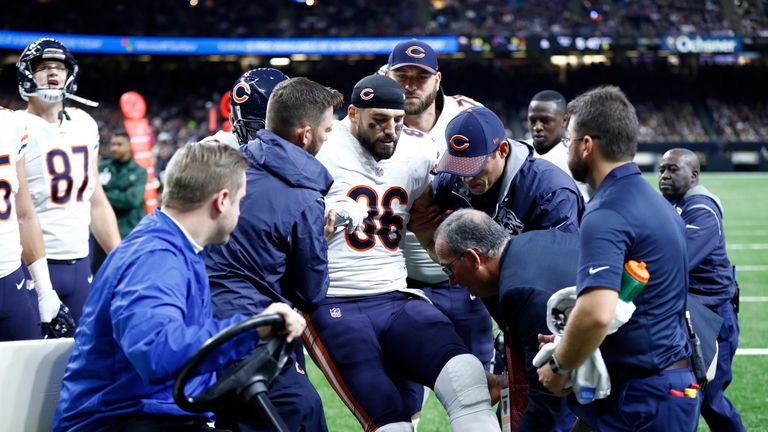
{"x": 124, "y": 182}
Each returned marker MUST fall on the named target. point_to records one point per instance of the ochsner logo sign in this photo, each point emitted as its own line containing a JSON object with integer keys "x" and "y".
{"x": 701, "y": 44}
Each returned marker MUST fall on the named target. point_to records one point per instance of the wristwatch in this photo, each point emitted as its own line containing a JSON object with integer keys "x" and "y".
{"x": 556, "y": 367}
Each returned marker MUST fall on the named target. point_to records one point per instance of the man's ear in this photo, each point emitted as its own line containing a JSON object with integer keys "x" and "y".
{"x": 589, "y": 147}
{"x": 305, "y": 133}
{"x": 504, "y": 149}
{"x": 474, "y": 257}
{"x": 220, "y": 200}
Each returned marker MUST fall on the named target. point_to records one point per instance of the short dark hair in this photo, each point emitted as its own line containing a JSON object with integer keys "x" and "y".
{"x": 551, "y": 96}
{"x": 472, "y": 229}
{"x": 199, "y": 170}
{"x": 120, "y": 132}
{"x": 299, "y": 101}
{"x": 607, "y": 113}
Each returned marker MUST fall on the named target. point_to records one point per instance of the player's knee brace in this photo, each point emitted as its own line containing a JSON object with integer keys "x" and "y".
{"x": 462, "y": 388}
{"x": 396, "y": 427}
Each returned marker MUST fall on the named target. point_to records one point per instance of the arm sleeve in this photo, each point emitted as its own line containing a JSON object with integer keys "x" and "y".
{"x": 703, "y": 232}
{"x": 604, "y": 240}
{"x": 441, "y": 191}
{"x": 155, "y": 324}
{"x": 560, "y": 209}
{"x": 307, "y": 266}
{"x": 126, "y": 199}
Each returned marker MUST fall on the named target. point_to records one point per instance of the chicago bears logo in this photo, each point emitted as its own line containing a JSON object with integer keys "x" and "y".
{"x": 241, "y": 96}
{"x": 459, "y": 142}
{"x": 366, "y": 93}
{"x": 415, "y": 52}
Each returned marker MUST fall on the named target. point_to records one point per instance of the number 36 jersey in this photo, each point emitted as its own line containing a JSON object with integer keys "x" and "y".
{"x": 373, "y": 262}
{"x": 59, "y": 174}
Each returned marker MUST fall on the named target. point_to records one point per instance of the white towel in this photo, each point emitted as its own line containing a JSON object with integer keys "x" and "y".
{"x": 589, "y": 381}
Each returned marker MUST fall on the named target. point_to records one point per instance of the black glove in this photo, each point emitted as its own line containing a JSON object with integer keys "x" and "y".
{"x": 62, "y": 325}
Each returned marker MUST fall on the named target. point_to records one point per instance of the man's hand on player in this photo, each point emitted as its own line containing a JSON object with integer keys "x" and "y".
{"x": 294, "y": 322}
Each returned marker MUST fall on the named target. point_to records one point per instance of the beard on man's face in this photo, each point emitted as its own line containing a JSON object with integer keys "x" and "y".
{"x": 578, "y": 169}
{"x": 416, "y": 107}
{"x": 374, "y": 145}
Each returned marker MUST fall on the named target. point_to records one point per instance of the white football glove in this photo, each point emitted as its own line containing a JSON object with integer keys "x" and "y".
{"x": 349, "y": 213}
{"x": 48, "y": 301}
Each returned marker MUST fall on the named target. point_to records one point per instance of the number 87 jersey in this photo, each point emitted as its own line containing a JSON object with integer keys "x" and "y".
{"x": 372, "y": 262}
{"x": 60, "y": 172}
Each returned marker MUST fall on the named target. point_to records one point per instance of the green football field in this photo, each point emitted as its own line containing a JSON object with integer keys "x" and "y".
{"x": 745, "y": 199}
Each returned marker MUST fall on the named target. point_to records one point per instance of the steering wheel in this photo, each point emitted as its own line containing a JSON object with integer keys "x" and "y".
{"x": 248, "y": 380}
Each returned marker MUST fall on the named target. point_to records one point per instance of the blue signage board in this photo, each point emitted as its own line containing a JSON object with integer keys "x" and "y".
{"x": 221, "y": 46}
{"x": 694, "y": 44}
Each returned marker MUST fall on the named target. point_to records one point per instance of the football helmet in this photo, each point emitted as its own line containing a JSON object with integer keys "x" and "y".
{"x": 40, "y": 50}
{"x": 248, "y": 101}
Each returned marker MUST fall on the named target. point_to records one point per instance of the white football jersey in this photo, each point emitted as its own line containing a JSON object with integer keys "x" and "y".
{"x": 558, "y": 155}
{"x": 13, "y": 144}
{"x": 372, "y": 262}
{"x": 61, "y": 173}
{"x": 420, "y": 265}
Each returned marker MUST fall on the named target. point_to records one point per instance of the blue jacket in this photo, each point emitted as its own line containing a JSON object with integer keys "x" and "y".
{"x": 277, "y": 252}
{"x": 709, "y": 269}
{"x": 148, "y": 312}
{"x": 528, "y": 277}
{"x": 532, "y": 194}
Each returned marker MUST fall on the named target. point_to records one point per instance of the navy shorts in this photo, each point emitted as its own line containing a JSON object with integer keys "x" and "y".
{"x": 72, "y": 281}
{"x": 469, "y": 316}
{"x": 378, "y": 351}
{"x": 19, "y": 316}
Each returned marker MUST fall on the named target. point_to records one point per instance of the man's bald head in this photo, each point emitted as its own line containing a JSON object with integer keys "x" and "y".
{"x": 678, "y": 172}
{"x": 684, "y": 156}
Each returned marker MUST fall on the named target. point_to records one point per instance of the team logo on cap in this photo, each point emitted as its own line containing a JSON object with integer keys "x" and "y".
{"x": 415, "y": 51}
{"x": 366, "y": 93}
{"x": 242, "y": 96}
{"x": 459, "y": 142}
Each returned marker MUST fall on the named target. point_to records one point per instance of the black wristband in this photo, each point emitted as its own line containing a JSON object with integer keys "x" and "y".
{"x": 556, "y": 367}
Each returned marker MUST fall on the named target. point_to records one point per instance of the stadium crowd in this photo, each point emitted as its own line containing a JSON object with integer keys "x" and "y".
{"x": 339, "y": 18}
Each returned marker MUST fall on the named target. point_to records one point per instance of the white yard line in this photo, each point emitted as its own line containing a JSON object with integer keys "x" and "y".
{"x": 752, "y": 351}
{"x": 752, "y": 299}
{"x": 748, "y": 246}
{"x": 751, "y": 268}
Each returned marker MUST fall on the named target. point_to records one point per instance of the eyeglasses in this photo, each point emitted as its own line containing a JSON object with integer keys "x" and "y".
{"x": 567, "y": 141}
{"x": 50, "y": 68}
{"x": 448, "y": 268}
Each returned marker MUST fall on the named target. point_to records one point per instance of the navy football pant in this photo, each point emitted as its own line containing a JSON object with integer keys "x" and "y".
{"x": 643, "y": 404}
{"x": 717, "y": 410}
{"x": 72, "y": 281}
{"x": 469, "y": 316}
{"x": 19, "y": 316}
{"x": 373, "y": 349}
{"x": 292, "y": 395}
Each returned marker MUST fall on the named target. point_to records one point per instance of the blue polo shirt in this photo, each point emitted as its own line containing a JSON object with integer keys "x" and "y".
{"x": 627, "y": 219}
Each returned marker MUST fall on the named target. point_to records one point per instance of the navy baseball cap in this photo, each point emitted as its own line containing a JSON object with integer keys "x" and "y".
{"x": 471, "y": 136}
{"x": 413, "y": 53}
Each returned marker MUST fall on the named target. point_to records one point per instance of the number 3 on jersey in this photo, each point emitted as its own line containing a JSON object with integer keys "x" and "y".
{"x": 60, "y": 169}
{"x": 6, "y": 191}
{"x": 382, "y": 224}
